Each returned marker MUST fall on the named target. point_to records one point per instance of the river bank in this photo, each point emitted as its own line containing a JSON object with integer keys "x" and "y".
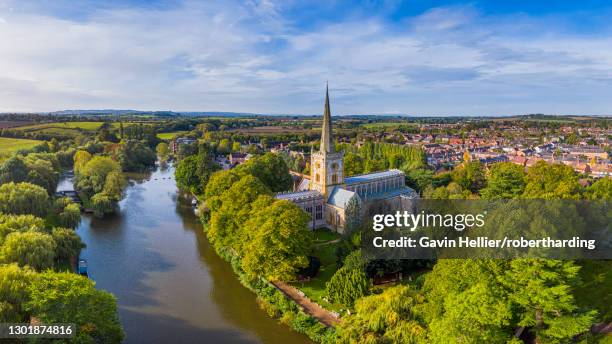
{"x": 170, "y": 285}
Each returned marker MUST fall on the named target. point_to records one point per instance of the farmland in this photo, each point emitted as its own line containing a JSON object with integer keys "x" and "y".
{"x": 170, "y": 136}
{"x": 9, "y": 145}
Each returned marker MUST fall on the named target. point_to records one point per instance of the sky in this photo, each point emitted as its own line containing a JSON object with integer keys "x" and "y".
{"x": 425, "y": 57}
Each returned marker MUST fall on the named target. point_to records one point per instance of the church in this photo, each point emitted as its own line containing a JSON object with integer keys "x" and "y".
{"x": 335, "y": 201}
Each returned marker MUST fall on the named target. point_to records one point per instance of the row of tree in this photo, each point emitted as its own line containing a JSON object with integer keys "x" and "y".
{"x": 37, "y": 241}
{"x": 270, "y": 236}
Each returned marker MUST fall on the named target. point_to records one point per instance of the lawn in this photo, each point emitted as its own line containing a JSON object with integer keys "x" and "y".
{"x": 315, "y": 288}
{"x": 324, "y": 235}
{"x": 10, "y": 145}
{"x": 170, "y": 136}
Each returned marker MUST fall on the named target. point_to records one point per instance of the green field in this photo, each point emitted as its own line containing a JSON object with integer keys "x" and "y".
{"x": 9, "y": 145}
{"x": 315, "y": 288}
{"x": 380, "y": 125}
{"x": 63, "y": 125}
{"x": 170, "y": 136}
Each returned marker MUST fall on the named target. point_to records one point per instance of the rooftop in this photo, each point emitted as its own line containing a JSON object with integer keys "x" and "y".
{"x": 299, "y": 195}
{"x": 372, "y": 176}
{"x": 340, "y": 197}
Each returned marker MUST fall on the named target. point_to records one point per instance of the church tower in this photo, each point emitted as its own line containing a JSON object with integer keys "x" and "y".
{"x": 326, "y": 165}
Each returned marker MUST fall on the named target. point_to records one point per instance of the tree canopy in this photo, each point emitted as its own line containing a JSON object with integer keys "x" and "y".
{"x": 278, "y": 240}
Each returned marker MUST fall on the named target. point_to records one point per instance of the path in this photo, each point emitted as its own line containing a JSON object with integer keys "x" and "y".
{"x": 313, "y": 309}
{"x": 328, "y": 242}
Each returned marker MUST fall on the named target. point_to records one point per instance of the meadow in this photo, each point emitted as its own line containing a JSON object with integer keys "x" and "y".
{"x": 171, "y": 135}
{"x": 10, "y": 145}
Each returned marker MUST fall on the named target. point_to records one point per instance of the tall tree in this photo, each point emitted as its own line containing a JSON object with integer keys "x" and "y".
{"x": 551, "y": 181}
{"x": 389, "y": 317}
{"x": 23, "y": 198}
{"x": 68, "y": 297}
{"x": 506, "y": 180}
{"x": 278, "y": 241}
{"x": 34, "y": 249}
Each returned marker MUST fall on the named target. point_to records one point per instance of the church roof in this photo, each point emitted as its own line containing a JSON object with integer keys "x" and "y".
{"x": 372, "y": 176}
{"x": 299, "y": 195}
{"x": 327, "y": 141}
{"x": 403, "y": 191}
{"x": 339, "y": 197}
{"x": 304, "y": 185}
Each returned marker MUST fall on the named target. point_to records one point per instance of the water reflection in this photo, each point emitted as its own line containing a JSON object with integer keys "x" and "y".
{"x": 170, "y": 285}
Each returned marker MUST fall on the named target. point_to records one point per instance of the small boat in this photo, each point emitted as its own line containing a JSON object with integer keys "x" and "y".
{"x": 194, "y": 202}
{"x": 82, "y": 269}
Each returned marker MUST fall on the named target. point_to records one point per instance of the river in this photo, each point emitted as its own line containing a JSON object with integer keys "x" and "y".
{"x": 170, "y": 285}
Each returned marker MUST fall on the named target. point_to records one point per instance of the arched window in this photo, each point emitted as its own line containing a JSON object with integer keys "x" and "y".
{"x": 334, "y": 178}
{"x": 317, "y": 178}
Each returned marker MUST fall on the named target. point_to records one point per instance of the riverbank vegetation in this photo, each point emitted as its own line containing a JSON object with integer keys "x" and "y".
{"x": 38, "y": 247}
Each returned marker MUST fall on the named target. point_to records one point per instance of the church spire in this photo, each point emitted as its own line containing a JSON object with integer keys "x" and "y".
{"x": 327, "y": 141}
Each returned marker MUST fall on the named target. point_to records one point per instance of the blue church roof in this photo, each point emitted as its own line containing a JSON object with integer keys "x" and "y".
{"x": 339, "y": 197}
{"x": 372, "y": 176}
{"x": 391, "y": 194}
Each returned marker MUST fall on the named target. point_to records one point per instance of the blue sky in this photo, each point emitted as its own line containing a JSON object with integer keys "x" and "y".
{"x": 380, "y": 57}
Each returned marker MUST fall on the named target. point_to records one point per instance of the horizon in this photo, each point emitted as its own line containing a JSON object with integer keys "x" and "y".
{"x": 431, "y": 59}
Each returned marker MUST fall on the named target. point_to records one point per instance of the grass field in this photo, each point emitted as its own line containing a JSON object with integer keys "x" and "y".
{"x": 171, "y": 135}
{"x": 63, "y": 125}
{"x": 386, "y": 125}
{"x": 315, "y": 288}
{"x": 9, "y": 145}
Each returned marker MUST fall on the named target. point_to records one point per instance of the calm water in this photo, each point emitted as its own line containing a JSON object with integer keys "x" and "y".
{"x": 170, "y": 285}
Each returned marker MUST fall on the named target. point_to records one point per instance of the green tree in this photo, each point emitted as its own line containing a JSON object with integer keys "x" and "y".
{"x": 102, "y": 204}
{"x": 29, "y": 248}
{"x": 193, "y": 172}
{"x": 353, "y": 164}
{"x": 91, "y": 178}
{"x": 162, "y": 150}
{"x": 466, "y": 302}
{"x": 80, "y": 158}
{"x": 506, "y": 180}
{"x": 68, "y": 297}
{"x": 470, "y": 176}
{"x": 224, "y": 146}
{"x": 271, "y": 170}
{"x": 135, "y": 156}
{"x": 226, "y": 223}
{"x": 390, "y": 317}
{"x": 236, "y": 146}
{"x": 19, "y": 223}
{"x": 68, "y": 243}
{"x": 419, "y": 179}
{"x": 551, "y": 181}
{"x": 541, "y": 293}
{"x": 113, "y": 185}
{"x": 23, "y": 198}
{"x": 42, "y": 172}
{"x": 70, "y": 216}
{"x": 601, "y": 189}
{"x": 14, "y": 170}
{"x": 347, "y": 285}
{"x": 219, "y": 182}
{"x": 14, "y": 282}
{"x": 278, "y": 241}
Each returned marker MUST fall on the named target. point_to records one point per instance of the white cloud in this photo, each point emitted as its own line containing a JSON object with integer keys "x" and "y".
{"x": 250, "y": 57}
